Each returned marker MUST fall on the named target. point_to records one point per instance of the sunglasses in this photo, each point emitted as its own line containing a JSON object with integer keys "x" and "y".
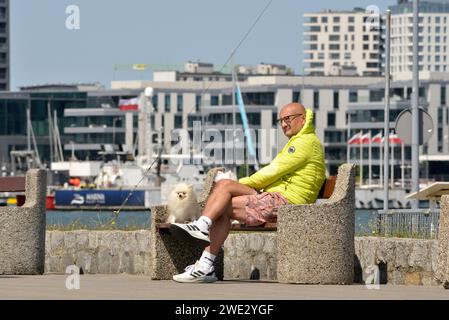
{"x": 289, "y": 119}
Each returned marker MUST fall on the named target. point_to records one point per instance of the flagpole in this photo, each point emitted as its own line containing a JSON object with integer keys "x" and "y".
{"x": 381, "y": 145}
{"x": 348, "y": 148}
{"x": 402, "y": 164}
{"x": 369, "y": 160}
{"x": 392, "y": 164}
{"x": 361, "y": 158}
{"x": 387, "y": 106}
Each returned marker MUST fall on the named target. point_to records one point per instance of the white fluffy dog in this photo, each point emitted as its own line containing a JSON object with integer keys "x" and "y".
{"x": 182, "y": 204}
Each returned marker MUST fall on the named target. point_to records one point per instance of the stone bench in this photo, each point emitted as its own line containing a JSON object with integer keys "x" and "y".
{"x": 22, "y": 229}
{"x": 170, "y": 257}
{"x": 442, "y": 272}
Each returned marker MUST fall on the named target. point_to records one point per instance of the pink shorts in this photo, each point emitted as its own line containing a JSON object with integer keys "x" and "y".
{"x": 263, "y": 207}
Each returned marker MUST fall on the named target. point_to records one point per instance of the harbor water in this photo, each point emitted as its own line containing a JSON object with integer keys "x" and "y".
{"x": 364, "y": 220}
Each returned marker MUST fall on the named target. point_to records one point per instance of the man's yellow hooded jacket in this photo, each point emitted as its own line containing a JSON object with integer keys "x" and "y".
{"x": 298, "y": 171}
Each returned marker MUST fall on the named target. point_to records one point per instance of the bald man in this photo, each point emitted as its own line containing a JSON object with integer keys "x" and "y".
{"x": 295, "y": 176}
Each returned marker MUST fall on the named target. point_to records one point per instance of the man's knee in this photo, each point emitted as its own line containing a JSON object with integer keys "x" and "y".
{"x": 225, "y": 184}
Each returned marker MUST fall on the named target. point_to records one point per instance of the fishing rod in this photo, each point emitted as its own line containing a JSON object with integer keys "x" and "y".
{"x": 117, "y": 212}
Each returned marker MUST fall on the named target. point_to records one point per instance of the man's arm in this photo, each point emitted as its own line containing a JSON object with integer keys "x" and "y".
{"x": 285, "y": 162}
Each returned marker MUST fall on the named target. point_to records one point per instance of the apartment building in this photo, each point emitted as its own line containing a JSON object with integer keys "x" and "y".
{"x": 342, "y": 43}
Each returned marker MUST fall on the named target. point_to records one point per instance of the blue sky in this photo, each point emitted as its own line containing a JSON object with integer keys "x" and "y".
{"x": 167, "y": 32}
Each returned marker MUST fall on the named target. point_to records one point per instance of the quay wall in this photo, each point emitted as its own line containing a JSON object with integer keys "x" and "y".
{"x": 400, "y": 260}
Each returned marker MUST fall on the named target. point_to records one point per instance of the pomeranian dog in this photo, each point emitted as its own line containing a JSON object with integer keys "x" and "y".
{"x": 182, "y": 204}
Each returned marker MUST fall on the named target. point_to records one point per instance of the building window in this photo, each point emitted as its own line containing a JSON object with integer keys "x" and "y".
{"x": 167, "y": 102}
{"x": 274, "y": 117}
{"x": 350, "y": 19}
{"x": 443, "y": 95}
{"x": 336, "y": 100}
{"x": 350, "y": 28}
{"x": 336, "y": 29}
{"x": 296, "y": 96}
{"x": 178, "y": 122}
{"x": 214, "y": 101}
{"x": 331, "y": 119}
{"x": 154, "y": 102}
{"x": 334, "y": 37}
{"x": 179, "y": 103}
{"x": 336, "y": 19}
{"x": 353, "y": 96}
{"x": 324, "y": 19}
{"x": 316, "y": 99}
{"x": 197, "y": 103}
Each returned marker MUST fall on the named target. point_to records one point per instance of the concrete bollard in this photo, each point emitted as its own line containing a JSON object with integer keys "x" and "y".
{"x": 22, "y": 230}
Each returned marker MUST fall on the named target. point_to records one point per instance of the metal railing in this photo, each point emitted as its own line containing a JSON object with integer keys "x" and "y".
{"x": 408, "y": 223}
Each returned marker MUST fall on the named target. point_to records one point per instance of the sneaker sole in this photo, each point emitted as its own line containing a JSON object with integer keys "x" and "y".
{"x": 197, "y": 280}
{"x": 182, "y": 234}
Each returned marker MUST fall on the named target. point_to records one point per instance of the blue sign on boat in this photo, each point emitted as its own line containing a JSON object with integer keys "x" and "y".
{"x": 110, "y": 198}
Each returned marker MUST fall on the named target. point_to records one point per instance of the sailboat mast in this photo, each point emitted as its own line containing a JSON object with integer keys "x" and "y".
{"x": 233, "y": 117}
{"x": 50, "y": 130}
{"x": 29, "y": 125}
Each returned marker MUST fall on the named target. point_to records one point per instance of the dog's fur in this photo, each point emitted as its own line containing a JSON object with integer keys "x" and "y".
{"x": 182, "y": 204}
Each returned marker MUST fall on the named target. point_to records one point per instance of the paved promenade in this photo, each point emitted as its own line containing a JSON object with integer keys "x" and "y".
{"x": 141, "y": 287}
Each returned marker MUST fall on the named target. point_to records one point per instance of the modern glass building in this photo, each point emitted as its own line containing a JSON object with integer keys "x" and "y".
{"x": 76, "y": 127}
{"x": 4, "y": 45}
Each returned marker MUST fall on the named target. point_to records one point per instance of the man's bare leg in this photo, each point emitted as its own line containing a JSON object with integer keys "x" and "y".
{"x": 221, "y": 226}
{"x": 221, "y": 196}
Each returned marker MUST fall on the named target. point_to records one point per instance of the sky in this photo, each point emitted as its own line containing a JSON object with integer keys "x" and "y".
{"x": 155, "y": 32}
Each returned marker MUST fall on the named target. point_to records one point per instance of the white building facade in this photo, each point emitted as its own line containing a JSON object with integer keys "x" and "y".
{"x": 433, "y": 38}
{"x": 342, "y": 43}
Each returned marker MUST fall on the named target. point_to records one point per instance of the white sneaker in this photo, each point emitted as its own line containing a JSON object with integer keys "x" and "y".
{"x": 189, "y": 231}
{"x": 193, "y": 273}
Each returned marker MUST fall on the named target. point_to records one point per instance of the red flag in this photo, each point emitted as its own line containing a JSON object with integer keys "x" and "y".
{"x": 356, "y": 139}
{"x": 377, "y": 138}
{"x": 394, "y": 139}
{"x": 366, "y": 138}
{"x": 130, "y": 104}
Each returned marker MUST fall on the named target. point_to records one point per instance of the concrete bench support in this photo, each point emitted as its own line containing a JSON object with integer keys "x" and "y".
{"x": 22, "y": 230}
{"x": 170, "y": 256}
{"x": 315, "y": 242}
{"x": 442, "y": 272}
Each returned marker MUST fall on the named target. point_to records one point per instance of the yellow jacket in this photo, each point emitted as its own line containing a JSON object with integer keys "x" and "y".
{"x": 298, "y": 171}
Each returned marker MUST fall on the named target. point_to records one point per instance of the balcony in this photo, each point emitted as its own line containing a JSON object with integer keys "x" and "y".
{"x": 92, "y": 112}
{"x": 312, "y": 29}
{"x": 82, "y": 146}
{"x": 93, "y": 129}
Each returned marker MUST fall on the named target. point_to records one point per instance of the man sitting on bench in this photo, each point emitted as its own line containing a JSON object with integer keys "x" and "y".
{"x": 295, "y": 176}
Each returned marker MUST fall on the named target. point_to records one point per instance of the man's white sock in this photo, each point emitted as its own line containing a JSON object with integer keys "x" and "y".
{"x": 207, "y": 260}
{"x": 204, "y": 224}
